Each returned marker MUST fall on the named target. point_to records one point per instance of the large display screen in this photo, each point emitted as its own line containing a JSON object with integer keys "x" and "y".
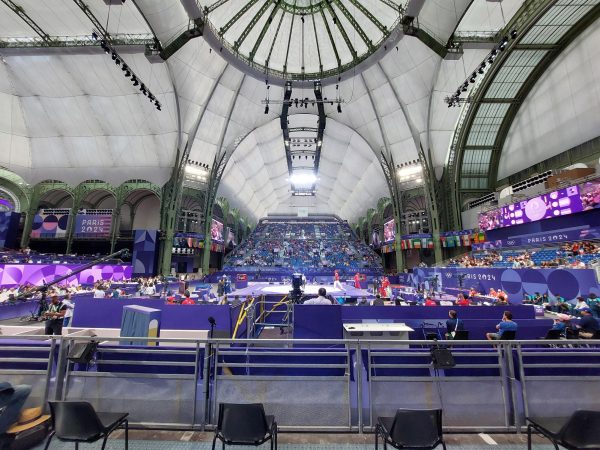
{"x": 216, "y": 231}
{"x": 93, "y": 225}
{"x": 590, "y": 195}
{"x": 50, "y": 223}
{"x": 554, "y": 204}
{"x": 389, "y": 231}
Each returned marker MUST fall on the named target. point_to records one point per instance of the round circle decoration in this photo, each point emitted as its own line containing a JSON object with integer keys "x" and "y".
{"x": 534, "y": 281}
{"x": 564, "y": 283}
{"x": 511, "y": 282}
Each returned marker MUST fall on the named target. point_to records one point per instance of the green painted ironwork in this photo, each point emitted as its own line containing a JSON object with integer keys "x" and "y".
{"x": 19, "y": 11}
{"x": 355, "y": 24}
{"x": 264, "y": 29}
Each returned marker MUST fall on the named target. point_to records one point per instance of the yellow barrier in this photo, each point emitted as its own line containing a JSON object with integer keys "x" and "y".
{"x": 241, "y": 317}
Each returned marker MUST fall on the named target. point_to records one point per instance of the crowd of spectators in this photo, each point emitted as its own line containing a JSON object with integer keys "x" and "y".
{"x": 575, "y": 255}
{"x": 300, "y": 245}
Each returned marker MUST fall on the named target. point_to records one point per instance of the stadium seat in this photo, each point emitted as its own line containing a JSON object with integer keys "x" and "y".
{"x": 245, "y": 424}
{"x": 411, "y": 429}
{"x": 580, "y": 431}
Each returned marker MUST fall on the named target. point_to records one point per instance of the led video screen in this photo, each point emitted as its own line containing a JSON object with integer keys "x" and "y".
{"x": 389, "y": 231}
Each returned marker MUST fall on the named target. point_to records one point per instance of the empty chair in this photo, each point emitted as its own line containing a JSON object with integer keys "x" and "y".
{"x": 580, "y": 431}
{"x": 79, "y": 422}
{"x": 245, "y": 424}
{"x": 411, "y": 429}
{"x": 461, "y": 335}
{"x": 509, "y": 335}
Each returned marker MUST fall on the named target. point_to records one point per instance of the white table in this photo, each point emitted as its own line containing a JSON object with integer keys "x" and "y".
{"x": 377, "y": 331}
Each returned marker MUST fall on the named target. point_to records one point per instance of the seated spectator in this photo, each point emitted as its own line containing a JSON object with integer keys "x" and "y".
{"x": 453, "y": 324}
{"x": 588, "y": 325}
{"x": 363, "y": 302}
{"x": 462, "y": 300}
{"x": 320, "y": 300}
{"x": 378, "y": 301}
{"x": 506, "y": 324}
{"x": 581, "y": 304}
{"x": 187, "y": 299}
{"x": 559, "y": 325}
{"x": 430, "y": 302}
{"x": 12, "y": 399}
{"x": 236, "y": 301}
{"x": 501, "y": 301}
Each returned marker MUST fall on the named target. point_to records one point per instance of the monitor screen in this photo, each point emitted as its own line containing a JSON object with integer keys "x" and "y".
{"x": 389, "y": 231}
{"x": 216, "y": 231}
{"x": 590, "y": 195}
{"x": 557, "y": 203}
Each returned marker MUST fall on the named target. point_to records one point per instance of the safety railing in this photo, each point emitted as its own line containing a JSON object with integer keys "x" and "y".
{"x": 312, "y": 385}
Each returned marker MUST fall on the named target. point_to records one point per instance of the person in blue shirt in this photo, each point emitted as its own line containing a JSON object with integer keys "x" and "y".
{"x": 588, "y": 325}
{"x": 506, "y": 324}
{"x": 453, "y": 324}
{"x": 559, "y": 325}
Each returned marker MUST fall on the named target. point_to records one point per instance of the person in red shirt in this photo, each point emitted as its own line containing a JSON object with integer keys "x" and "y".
{"x": 336, "y": 281}
{"x": 187, "y": 300}
{"x": 430, "y": 302}
{"x": 357, "y": 281}
{"x": 384, "y": 286}
{"x": 462, "y": 301}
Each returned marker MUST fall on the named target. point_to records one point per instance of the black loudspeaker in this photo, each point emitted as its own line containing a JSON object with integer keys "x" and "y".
{"x": 83, "y": 352}
{"x": 442, "y": 358}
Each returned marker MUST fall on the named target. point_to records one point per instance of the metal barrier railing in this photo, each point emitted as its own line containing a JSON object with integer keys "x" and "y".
{"x": 313, "y": 385}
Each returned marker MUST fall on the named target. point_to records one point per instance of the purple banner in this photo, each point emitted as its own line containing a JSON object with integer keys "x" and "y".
{"x": 9, "y": 226}
{"x": 145, "y": 252}
{"x": 569, "y": 283}
{"x": 92, "y": 225}
{"x": 38, "y": 274}
{"x": 573, "y": 234}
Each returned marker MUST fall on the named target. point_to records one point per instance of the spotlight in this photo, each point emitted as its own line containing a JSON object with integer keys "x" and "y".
{"x": 135, "y": 81}
{"x": 472, "y": 79}
{"x": 480, "y": 70}
{"x": 339, "y": 108}
{"x": 124, "y": 67}
{"x": 117, "y": 61}
{"x": 127, "y": 73}
{"x": 464, "y": 88}
{"x": 514, "y": 34}
{"x": 266, "y": 109}
{"x": 157, "y": 106}
{"x": 94, "y": 35}
{"x": 114, "y": 56}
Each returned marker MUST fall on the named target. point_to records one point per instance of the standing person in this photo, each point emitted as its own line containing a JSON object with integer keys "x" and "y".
{"x": 220, "y": 287}
{"x": 54, "y": 317}
{"x": 336, "y": 280}
{"x": 69, "y": 311}
{"x": 357, "y": 280}
{"x": 453, "y": 324}
{"x": 506, "y": 324}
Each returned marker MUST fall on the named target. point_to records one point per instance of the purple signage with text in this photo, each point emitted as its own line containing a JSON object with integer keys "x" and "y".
{"x": 38, "y": 274}
{"x": 92, "y": 225}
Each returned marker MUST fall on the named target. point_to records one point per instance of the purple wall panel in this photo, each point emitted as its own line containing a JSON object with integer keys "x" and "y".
{"x": 37, "y": 274}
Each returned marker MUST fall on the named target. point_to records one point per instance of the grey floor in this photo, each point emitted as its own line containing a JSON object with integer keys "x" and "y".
{"x": 156, "y": 440}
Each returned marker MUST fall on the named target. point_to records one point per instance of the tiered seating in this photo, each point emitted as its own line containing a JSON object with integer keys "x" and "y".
{"x": 553, "y": 256}
{"x": 304, "y": 244}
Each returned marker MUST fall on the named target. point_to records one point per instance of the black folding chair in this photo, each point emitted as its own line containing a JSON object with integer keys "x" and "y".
{"x": 79, "y": 422}
{"x": 245, "y": 424}
{"x": 580, "y": 431}
{"x": 411, "y": 429}
{"x": 553, "y": 334}
{"x": 509, "y": 335}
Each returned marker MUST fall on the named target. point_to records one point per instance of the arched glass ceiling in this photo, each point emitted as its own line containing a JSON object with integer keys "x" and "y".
{"x": 303, "y": 39}
{"x": 497, "y": 98}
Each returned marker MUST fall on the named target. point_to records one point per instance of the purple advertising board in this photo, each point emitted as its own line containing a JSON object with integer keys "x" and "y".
{"x": 569, "y": 283}
{"x": 561, "y": 202}
{"x": 38, "y": 274}
{"x": 93, "y": 225}
{"x": 49, "y": 225}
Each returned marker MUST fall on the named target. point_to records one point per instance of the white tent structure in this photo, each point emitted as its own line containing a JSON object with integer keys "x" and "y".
{"x": 67, "y": 112}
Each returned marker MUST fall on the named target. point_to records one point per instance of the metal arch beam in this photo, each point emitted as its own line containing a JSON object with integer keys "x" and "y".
{"x": 529, "y": 84}
{"x": 19, "y": 11}
{"x": 355, "y": 24}
{"x": 335, "y": 50}
{"x": 386, "y": 161}
{"x": 429, "y": 185}
{"x": 529, "y": 15}
{"x": 215, "y": 5}
{"x": 139, "y": 10}
{"x": 312, "y": 16}
{"x": 370, "y": 16}
{"x": 274, "y": 39}
{"x": 342, "y": 29}
{"x": 391, "y": 4}
{"x": 287, "y": 52}
{"x": 70, "y": 42}
{"x": 261, "y": 11}
{"x": 216, "y": 172}
{"x": 237, "y": 17}
{"x": 264, "y": 30}
{"x": 90, "y": 15}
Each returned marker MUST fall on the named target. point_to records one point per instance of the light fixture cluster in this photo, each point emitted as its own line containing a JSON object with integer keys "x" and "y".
{"x": 127, "y": 71}
{"x": 198, "y": 164}
{"x": 304, "y": 102}
{"x": 455, "y": 99}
